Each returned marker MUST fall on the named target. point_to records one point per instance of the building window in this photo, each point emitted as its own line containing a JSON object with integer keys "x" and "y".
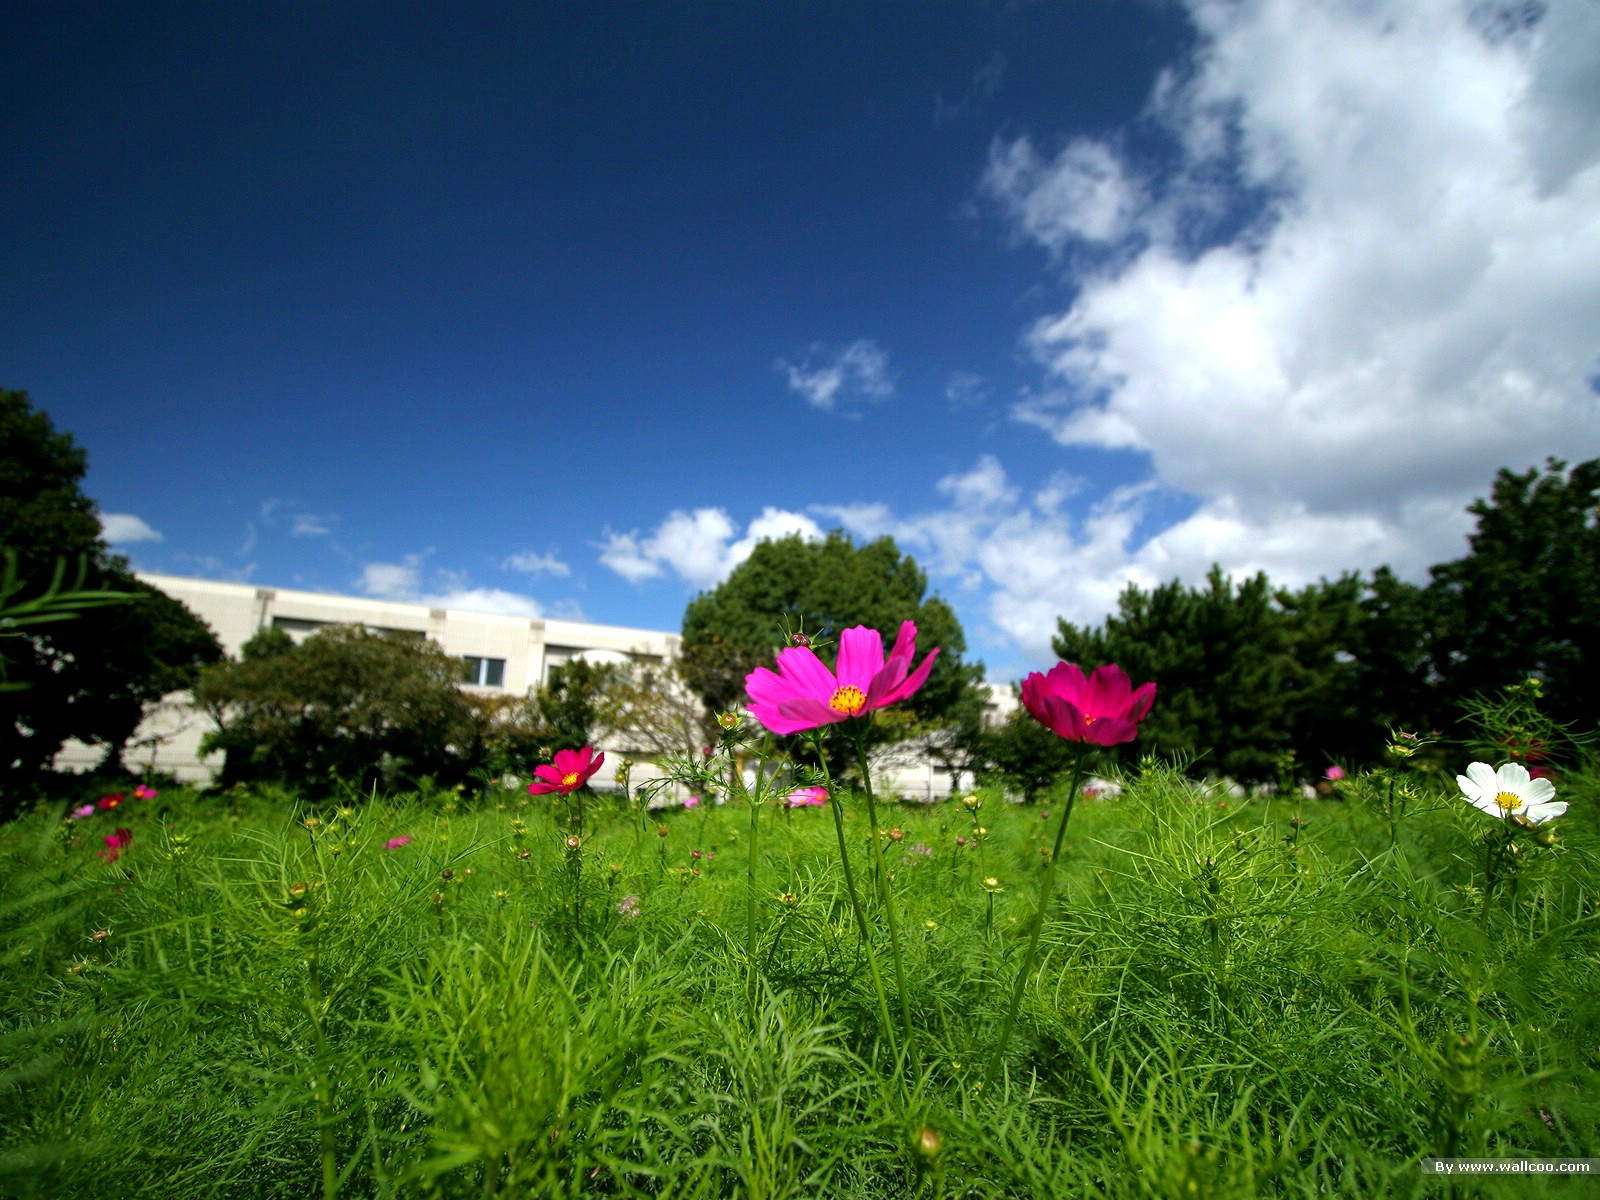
{"x": 484, "y": 672}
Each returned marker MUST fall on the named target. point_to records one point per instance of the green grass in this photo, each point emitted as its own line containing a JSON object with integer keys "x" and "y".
{"x": 1223, "y": 1006}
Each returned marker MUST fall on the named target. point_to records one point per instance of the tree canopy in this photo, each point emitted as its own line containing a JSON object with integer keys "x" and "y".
{"x": 1526, "y": 600}
{"x": 88, "y": 677}
{"x": 346, "y": 704}
{"x": 820, "y": 588}
{"x": 1258, "y": 679}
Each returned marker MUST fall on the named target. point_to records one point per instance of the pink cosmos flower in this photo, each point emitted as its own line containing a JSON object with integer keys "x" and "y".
{"x": 1102, "y": 709}
{"x": 110, "y": 802}
{"x": 808, "y": 797}
{"x": 803, "y": 694}
{"x": 1334, "y": 773}
{"x": 82, "y": 811}
{"x": 145, "y": 792}
{"x": 116, "y": 843}
{"x": 570, "y": 771}
{"x": 395, "y": 843}
{"x": 692, "y": 802}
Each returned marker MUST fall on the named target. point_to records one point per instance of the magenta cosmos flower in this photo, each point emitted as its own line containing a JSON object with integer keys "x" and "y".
{"x": 808, "y": 797}
{"x": 1103, "y": 709}
{"x": 803, "y": 694}
{"x": 570, "y": 771}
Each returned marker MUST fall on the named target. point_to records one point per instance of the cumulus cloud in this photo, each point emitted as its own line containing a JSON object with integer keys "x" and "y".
{"x": 966, "y": 390}
{"x": 403, "y": 581}
{"x": 700, "y": 547}
{"x": 828, "y": 378}
{"x": 1392, "y": 292}
{"x": 309, "y": 525}
{"x": 302, "y": 523}
{"x": 1027, "y": 561}
{"x": 121, "y": 529}
{"x": 530, "y": 563}
{"x": 1082, "y": 194}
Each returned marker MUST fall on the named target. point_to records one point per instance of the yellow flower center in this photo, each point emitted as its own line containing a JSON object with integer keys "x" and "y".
{"x": 1508, "y": 801}
{"x": 570, "y": 779}
{"x": 848, "y": 700}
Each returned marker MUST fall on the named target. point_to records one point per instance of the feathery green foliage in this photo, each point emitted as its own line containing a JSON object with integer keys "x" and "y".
{"x": 1233, "y": 998}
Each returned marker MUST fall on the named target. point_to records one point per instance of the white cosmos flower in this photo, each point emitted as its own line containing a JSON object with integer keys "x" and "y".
{"x": 1510, "y": 792}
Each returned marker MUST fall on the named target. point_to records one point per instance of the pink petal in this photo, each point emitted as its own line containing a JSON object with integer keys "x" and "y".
{"x": 860, "y": 657}
{"x": 1066, "y": 681}
{"x": 1143, "y": 697}
{"x": 801, "y": 667}
{"x": 1107, "y": 694}
{"x": 797, "y": 716}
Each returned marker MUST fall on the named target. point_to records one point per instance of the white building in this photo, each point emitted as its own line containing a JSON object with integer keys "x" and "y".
{"x": 503, "y": 654}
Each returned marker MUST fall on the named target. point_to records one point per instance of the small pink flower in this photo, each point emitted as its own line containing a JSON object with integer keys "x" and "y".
{"x": 808, "y": 797}
{"x": 116, "y": 843}
{"x": 1334, "y": 773}
{"x": 395, "y": 843}
{"x": 692, "y": 802}
{"x": 569, "y": 772}
{"x": 110, "y": 802}
{"x": 145, "y": 792}
{"x": 803, "y": 694}
{"x": 1102, "y": 708}
{"x": 82, "y": 811}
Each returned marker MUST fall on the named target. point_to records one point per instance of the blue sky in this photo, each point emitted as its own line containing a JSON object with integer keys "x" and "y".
{"x": 558, "y": 308}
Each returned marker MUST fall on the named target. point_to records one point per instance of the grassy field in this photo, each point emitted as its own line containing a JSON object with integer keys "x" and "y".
{"x": 256, "y": 997}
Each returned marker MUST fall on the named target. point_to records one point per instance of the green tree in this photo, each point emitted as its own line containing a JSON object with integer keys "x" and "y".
{"x": 1221, "y": 659}
{"x": 822, "y": 587}
{"x": 90, "y": 677}
{"x": 1526, "y": 600}
{"x": 1262, "y": 683}
{"x": 347, "y": 704}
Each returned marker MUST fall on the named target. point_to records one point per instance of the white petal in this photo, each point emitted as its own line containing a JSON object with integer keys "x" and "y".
{"x": 1512, "y": 776}
{"x": 1483, "y": 778}
{"x": 1546, "y": 812}
{"x": 1538, "y": 791}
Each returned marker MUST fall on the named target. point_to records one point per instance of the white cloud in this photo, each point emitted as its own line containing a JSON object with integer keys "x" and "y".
{"x": 699, "y": 547}
{"x": 535, "y": 564}
{"x": 402, "y": 581}
{"x": 1027, "y": 562}
{"x": 301, "y": 522}
{"x": 1410, "y": 305}
{"x": 391, "y": 581}
{"x": 966, "y": 389}
{"x": 120, "y": 529}
{"x": 859, "y": 371}
{"x": 309, "y": 525}
{"x": 1083, "y": 194}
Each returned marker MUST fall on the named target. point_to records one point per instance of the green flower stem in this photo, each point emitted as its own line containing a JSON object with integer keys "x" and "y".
{"x": 883, "y": 883}
{"x": 750, "y": 882}
{"x": 1046, "y": 887}
{"x": 865, "y": 931}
